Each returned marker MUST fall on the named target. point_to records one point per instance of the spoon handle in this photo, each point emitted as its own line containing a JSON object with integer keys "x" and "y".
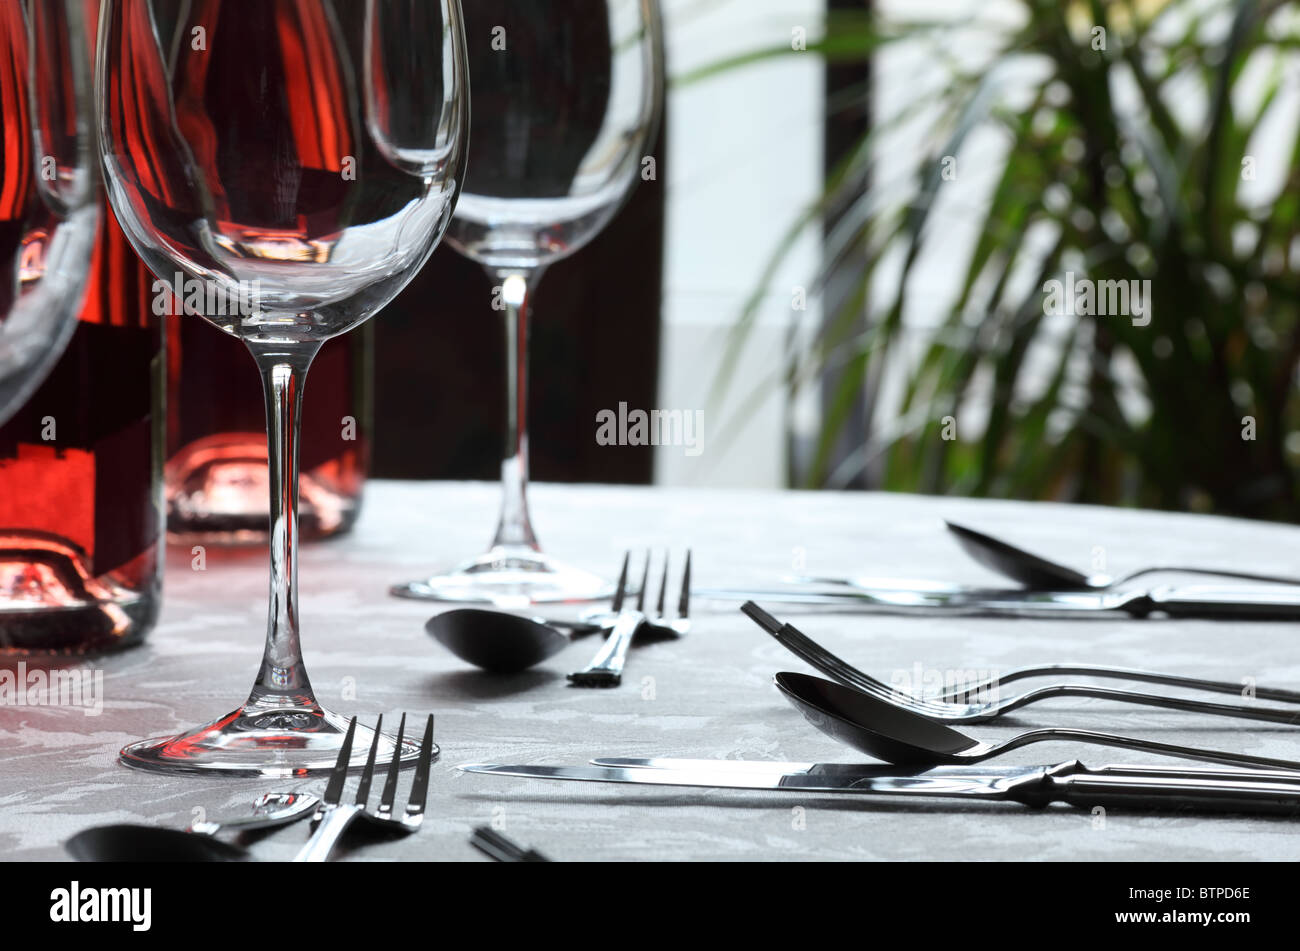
{"x": 1210, "y": 573}
{"x": 1243, "y": 711}
{"x": 1132, "y": 743}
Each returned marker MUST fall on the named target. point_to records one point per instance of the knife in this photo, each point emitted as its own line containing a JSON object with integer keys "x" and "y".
{"x": 1239, "y": 602}
{"x": 1248, "y": 791}
{"x": 777, "y": 769}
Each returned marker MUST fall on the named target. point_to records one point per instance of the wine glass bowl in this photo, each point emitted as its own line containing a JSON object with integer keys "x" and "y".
{"x": 48, "y": 198}
{"x": 566, "y": 100}
{"x": 249, "y": 165}
{"x": 284, "y": 174}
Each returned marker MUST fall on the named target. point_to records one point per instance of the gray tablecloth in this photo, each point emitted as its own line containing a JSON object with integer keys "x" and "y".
{"x": 709, "y": 695}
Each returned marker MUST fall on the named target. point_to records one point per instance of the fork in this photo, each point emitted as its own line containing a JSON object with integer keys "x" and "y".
{"x": 333, "y": 818}
{"x": 947, "y": 707}
{"x": 679, "y": 626}
{"x": 606, "y": 668}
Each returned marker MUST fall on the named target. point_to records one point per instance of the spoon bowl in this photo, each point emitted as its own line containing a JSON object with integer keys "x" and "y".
{"x": 1017, "y": 564}
{"x": 1039, "y": 574}
{"x": 895, "y": 734}
{"x": 869, "y": 725}
{"x": 136, "y": 843}
{"x": 494, "y": 640}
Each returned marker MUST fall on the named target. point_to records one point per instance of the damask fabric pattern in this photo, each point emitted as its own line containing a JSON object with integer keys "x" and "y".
{"x": 708, "y": 695}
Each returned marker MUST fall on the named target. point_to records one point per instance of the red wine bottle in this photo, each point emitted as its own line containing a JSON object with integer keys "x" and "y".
{"x": 216, "y": 475}
{"x": 81, "y": 475}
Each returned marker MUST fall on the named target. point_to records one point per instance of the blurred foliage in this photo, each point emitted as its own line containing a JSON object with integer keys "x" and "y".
{"x": 1132, "y": 162}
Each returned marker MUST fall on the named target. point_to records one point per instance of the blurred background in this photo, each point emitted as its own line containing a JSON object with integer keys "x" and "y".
{"x": 844, "y": 255}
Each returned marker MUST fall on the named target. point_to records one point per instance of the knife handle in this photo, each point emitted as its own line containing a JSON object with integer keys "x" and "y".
{"x": 1167, "y": 790}
{"x": 1211, "y": 602}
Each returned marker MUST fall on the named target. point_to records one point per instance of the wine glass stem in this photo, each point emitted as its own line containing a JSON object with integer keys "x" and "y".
{"x": 282, "y": 681}
{"x": 514, "y": 530}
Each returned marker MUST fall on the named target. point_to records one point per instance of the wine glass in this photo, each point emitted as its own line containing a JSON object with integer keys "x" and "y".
{"x": 566, "y": 97}
{"x": 292, "y": 163}
{"x": 48, "y": 209}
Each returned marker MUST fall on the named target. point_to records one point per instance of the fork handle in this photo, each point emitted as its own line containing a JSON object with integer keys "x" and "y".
{"x": 606, "y": 668}
{"x": 1118, "y": 673}
{"x": 327, "y": 834}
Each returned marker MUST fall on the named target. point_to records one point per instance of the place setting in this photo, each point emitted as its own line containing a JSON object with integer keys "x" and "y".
{"x": 888, "y": 553}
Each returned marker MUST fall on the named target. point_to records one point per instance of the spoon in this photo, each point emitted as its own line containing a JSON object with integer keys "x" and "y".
{"x": 135, "y": 843}
{"x": 896, "y": 735}
{"x": 499, "y": 642}
{"x": 1039, "y": 574}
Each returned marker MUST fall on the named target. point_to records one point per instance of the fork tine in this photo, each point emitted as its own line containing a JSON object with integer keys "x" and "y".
{"x": 367, "y": 774}
{"x": 390, "y": 781}
{"x": 841, "y": 670}
{"x": 804, "y": 647}
{"x": 684, "y": 602}
{"x": 622, "y": 585}
{"x": 645, "y": 576}
{"x": 663, "y": 586}
{"x": 339, "y": 774}
{"x": 420, "y": 784}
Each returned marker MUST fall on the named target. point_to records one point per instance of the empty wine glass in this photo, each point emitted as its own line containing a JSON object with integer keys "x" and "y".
{"x": 48, "y": 209}
{"x": 566, "y": 96}
{"x": 293, "y": 163}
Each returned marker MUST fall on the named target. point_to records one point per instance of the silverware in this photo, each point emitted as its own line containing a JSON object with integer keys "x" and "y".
{"x": 773, "y": 767}
{"x": 1234, "y": 602}
{"x": 896, "y": 734}
{"x": 680, "y": 624}
{"x": 1039, "y": 573}
{"x": 500, "y": 848}
{"x": 124, "y": 842}
{"x": 956, "y": 705}
{"x": 499, "y": 642}
{"x": 270, "y": 811}
{"x": 138, "y": 843}
{"x": 1141, "y": 787}
{"x": 659, "y": 624}
{"x": 606, "y": 668}
{"x": 333, "y": 818}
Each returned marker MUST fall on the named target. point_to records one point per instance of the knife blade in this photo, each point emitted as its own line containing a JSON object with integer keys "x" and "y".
{"x": 775, "y": 768}
{"x": 1239, "y": 602}
{"x": 835, "y": 778}
{"x": 1251, "y": 791}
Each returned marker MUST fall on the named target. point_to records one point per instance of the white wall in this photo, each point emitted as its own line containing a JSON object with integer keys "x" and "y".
{"x": 745, "y": 157}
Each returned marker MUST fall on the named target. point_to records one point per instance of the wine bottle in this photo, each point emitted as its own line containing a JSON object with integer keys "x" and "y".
{"x": 216, "y": 474}
{"x": 81, "y": 475}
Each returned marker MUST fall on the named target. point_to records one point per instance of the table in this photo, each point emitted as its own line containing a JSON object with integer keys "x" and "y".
{"x": 709, "y": 695}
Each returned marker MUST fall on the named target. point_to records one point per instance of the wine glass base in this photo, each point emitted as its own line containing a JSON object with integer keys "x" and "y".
{"x": 292, "y": 741}
{"x": 509, "y": 578}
